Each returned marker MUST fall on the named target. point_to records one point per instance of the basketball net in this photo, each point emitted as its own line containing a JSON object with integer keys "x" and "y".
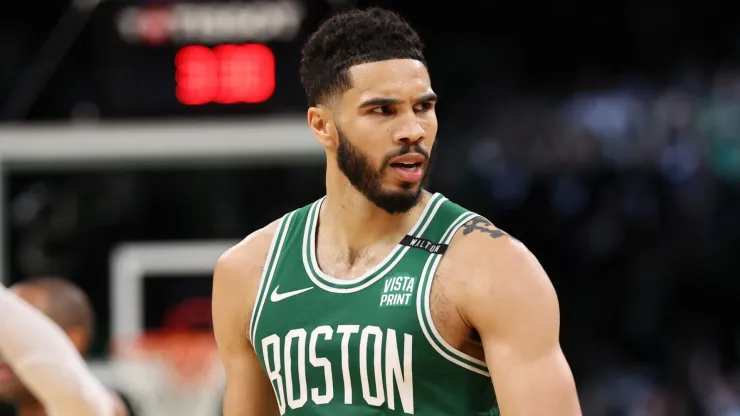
{"x": 171, "y": 372}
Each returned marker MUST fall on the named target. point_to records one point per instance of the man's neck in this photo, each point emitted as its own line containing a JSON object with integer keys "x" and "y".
{"x": 355, "y": 223}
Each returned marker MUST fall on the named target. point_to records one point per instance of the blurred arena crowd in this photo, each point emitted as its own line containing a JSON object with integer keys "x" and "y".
{"x": 629, "y": 193}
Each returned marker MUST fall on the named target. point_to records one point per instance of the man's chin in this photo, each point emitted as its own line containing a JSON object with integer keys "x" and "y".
{"x": 397, "y": 201}
{"x": 402, "y": 188}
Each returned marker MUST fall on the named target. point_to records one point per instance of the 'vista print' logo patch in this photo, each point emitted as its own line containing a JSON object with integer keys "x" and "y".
{"x": 397, "y": 291}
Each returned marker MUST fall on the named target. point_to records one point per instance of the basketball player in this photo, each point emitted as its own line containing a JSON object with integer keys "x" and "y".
{"x": 382, "y": 298}
{"x": 46, "y": 325}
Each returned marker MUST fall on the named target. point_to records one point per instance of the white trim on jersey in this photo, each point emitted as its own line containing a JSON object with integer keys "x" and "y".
{"x": 423, "y": 306}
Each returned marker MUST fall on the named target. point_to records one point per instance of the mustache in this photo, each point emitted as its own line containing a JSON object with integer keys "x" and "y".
{"x": 406, "y": 149}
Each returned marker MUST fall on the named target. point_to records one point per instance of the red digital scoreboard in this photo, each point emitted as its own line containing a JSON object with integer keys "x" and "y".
{"x": 180, "y": 58}
{"x": 224, "y": 74}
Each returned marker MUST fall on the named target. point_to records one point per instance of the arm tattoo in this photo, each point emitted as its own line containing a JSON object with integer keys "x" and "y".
{"x": 483, "y": 225}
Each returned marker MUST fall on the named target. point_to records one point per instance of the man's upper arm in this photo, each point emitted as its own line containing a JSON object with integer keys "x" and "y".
{"x": 68, "y": 390}
{"x": 235, "y": 282}
{"x": 512, "y": 304}
{"x": 47, "y": 362}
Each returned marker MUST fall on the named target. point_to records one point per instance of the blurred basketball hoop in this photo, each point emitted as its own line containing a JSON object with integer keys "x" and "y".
{"x": 175, "y": 370}
{"x": 171, "y": 372}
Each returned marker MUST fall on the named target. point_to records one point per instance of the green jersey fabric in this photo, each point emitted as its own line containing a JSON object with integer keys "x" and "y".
{"x": 365, "y": 346}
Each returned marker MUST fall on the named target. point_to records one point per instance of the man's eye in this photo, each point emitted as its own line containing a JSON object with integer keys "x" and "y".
{"x": 383, "y": 109}
{"x": 423, "y": 106}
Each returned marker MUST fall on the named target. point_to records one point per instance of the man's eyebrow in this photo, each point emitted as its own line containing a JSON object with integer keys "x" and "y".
{"x": 381, "y": 101}
{"x": 426, "y": 97}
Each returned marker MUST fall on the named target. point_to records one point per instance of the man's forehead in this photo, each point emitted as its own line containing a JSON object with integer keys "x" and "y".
{"x": 396, "y": 77}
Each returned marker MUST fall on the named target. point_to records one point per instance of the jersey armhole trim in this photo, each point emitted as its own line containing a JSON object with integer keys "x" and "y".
{"x": 268, "y": 271}
{"x": 423, "y": 308}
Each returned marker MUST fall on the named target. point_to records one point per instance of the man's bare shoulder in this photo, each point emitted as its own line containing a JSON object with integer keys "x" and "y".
{"x": 495, "y": 273}
{"x": 480, "y": 244}
{"x": 239, "y": 269}
{"x": 246, "y": 259}
{"x": 236, "y": 280}
{"x": 482, "y": 257}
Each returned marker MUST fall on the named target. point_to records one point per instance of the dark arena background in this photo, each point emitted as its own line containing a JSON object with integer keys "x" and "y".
{"x": 142, "y": 138}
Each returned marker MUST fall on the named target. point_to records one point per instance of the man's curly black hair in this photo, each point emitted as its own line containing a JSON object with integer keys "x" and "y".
{"x": 353, "y": 38}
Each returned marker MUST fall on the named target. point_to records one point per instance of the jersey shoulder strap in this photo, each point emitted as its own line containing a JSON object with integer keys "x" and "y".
{"x": 438, "y": 233}
{"x": 297, "y": 225}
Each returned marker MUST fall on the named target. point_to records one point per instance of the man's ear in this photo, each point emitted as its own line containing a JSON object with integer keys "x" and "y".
{"x": 321, "y": 121}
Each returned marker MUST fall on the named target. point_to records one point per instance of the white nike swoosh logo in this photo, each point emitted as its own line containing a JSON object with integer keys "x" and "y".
{"x": 277, "y": 297}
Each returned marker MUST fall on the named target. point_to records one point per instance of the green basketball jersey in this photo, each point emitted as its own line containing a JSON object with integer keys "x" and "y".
{"x": 365, "y": 346}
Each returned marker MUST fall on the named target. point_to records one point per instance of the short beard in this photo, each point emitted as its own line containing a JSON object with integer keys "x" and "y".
{"x": 360, "y": 172}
